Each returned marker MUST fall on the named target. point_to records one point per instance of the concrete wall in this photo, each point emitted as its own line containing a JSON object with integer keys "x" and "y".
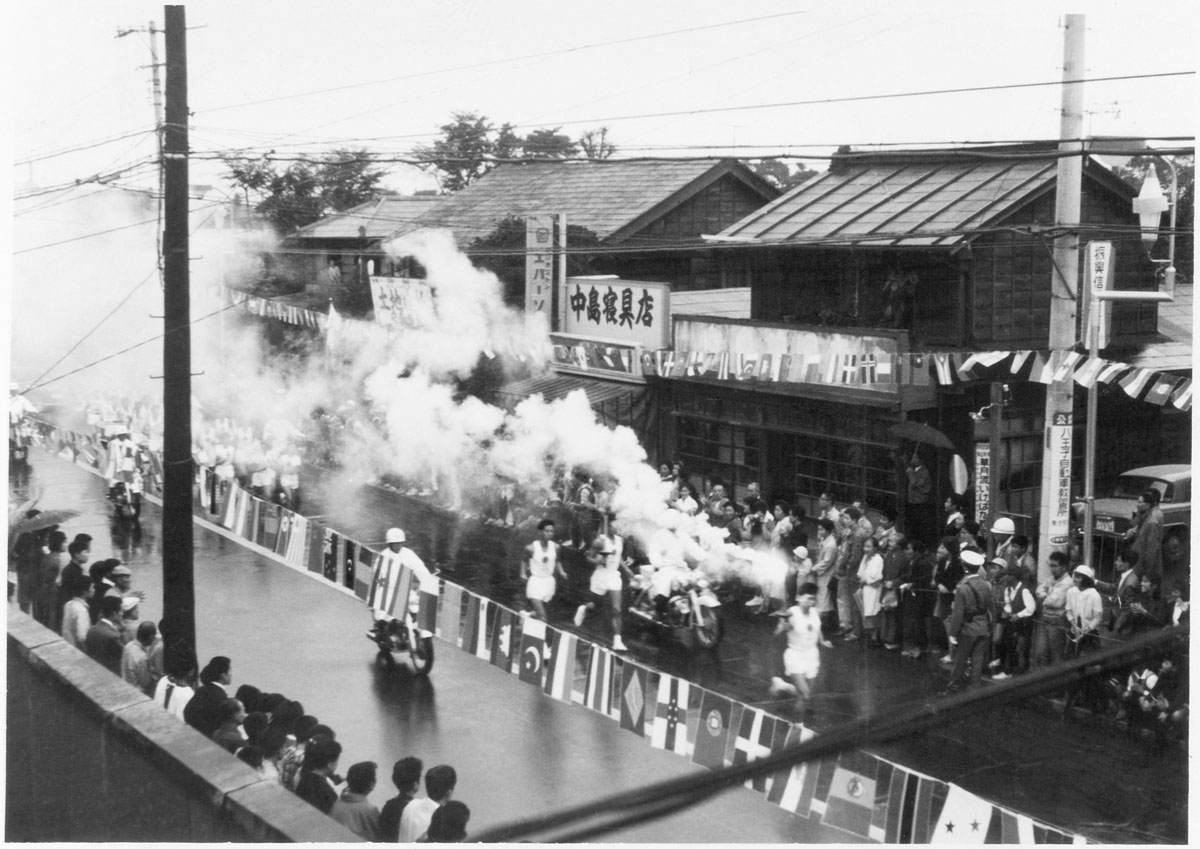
{"x": 90, "y": 758}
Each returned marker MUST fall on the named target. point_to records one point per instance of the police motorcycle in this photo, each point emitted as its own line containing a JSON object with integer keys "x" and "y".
{"x": 395, "y": 636}
{"x": 690, "y": 606}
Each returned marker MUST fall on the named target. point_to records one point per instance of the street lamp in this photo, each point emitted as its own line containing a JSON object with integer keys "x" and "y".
{"x": 1149, "y": 206}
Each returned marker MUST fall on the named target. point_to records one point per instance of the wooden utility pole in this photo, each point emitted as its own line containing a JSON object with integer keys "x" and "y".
{"x": 1055, "y": 514}
{"x": 179, "y": 604}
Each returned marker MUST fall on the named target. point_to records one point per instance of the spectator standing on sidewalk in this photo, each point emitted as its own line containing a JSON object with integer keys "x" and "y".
{"x": 1050, "y": 627}
{"x": 439, "y": 787}
{"x": 970, "y": 626}
{"x": 406, "y": 777}
{"x": 103, "y": 641}
{"x": 353, "y": 809}
{"x": 76, "y": 618}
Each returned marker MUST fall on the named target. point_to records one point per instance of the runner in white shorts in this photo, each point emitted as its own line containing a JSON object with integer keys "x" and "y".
{"x": 539, "y": 568}
{"x": 801, "y": 659}
{"x": 606, "y": 556}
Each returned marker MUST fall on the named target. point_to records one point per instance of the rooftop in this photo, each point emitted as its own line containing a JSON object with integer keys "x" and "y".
{"x": 378, "y": 218}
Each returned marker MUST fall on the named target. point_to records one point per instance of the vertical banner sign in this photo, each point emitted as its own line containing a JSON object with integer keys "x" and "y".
{"x": 983, "y": 476}
{"x": 1058, "y": 453}
{"x": 539, "y": 266}
{"x": 1100, "y": 261}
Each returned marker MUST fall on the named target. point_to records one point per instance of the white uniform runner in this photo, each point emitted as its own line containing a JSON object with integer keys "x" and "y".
{"x": 542, "y": 563}
{"x": 606, "y": 577}
{"x": 802, "y": 657}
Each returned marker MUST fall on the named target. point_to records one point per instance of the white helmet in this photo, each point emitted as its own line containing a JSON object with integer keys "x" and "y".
{"x": 395, "y": 535}
{"x": 1004, "y": 525}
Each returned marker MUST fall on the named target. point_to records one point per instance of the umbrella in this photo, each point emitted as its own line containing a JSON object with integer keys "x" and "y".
{"x": 45, "y": 519}
{"x": 921, "y": 432}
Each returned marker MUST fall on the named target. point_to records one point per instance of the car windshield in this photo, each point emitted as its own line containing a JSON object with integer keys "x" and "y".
{"x": 1131, "y": 486}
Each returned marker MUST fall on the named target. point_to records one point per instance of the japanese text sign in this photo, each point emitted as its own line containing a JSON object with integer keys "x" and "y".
{"x": 630, "y": 311}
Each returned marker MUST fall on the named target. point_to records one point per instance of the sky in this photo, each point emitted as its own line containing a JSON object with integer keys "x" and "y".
{"x": 667, "y": 79}
{"x": 751, "y": 79}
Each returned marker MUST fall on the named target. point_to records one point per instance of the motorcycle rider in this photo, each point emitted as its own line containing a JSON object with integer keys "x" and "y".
{"x": 397, "y": 554}
{"x": 667, "y": 554}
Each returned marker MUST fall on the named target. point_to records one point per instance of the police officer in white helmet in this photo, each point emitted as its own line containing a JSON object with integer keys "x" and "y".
{"x": 400, "y": 554}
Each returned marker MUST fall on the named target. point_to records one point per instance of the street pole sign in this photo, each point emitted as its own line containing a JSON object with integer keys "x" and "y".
{"x": 1100, "y": 262}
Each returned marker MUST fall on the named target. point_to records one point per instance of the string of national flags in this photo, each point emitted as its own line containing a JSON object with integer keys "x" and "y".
{"x": 925, "y": 369}
{"x": 856, "y": 792}
{"x": 270, "y": 308}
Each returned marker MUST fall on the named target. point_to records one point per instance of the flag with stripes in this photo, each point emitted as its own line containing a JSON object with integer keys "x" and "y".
{"x": 793, "y": 788}
{"x": 298, "y": 541}
{"x": 845, "y": 795}
{"x": 1183, "y": 395}
{"x": 784, "y": 370}
{"x": 1008, "y": 827}
{"x": 475, "y": 630}
{"x": 867, "y": 369}
{"x": 1162, "y": 389}
{"x": 427, "y": 605}
{"x": 634, "y": 680}
{"x": 1067, "y": 366}
{"x": 1134, "y": 382}
{"x": 693, "y": 364}
{"x": 560, "y": 665}
{"x": 390, "y": 585}
{"x": 1088, "y": 373}
{"x": 503, "y": 635}
{"x": 598, "y": 685}
{"x": 669, "y": 730}
{"x": 533, "y": 651}
{"x": 1043, "y": 369}
{"x": 450, "y": 616}
{"x": 1019, "y": 361}
{"x": 712, "y": 731}
{"x": 965, "y": 818}
{"x": 970, "y": 368}
{"x": 1110, "y": 371}
{"x": 849, "y": 372}
{"x": 943, "y": 364}
{"x": 885, "y": 371}
{"x": 758, "y": 736}
{"x": 723, "y": 366}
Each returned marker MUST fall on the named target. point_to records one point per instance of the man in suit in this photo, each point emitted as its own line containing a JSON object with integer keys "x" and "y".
{"x": 103, "y": 640}
{"x": 203, "y": 710}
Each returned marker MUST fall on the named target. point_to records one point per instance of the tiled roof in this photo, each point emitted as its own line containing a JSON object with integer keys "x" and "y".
{"x": 380, "y": 217}
{"x": 910, "y": 198}
{"x": 613, "y": 198}
{"x": 1171, "y": 349}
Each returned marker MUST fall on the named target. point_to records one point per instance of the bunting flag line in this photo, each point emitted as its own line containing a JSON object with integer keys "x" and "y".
{"x": 450, "y": 616}
{"x": 533, "y": 651}
{"x": 634, "y": 680}
{"x": 712, "y": 731}
{"x": 944, "y": 365}
{"x": 502, "y": 638}
{"x": 849, "y": 373}
{"x": 1161, "y": 390}
{"x": 846, "y": 796}
{"x": 1043, "y": 369}
{"x": 867, "y": 369}
{"x": 965, "y": 818}
{"x": 1067, "y": 366}
{"x": 475, "y": 631}
{"x": 670, "y": 727}
{"x": 1007, "y": 827}
{"x": 427, "y": 606}
{"x": 1089, "y": 372}
{"x": 1110, "y": 371}
{"x": 1134, "y": 382}
{"x": 793, "y": 789}
{"x": 598, "y": 685}
{"x": 560, "y": 665}
{"x": 758, "y": 736}
{"x": 1182, "y": 399}
{"x": 1019, "y": 361}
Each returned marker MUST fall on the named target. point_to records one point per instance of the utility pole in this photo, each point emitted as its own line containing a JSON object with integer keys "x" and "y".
{"x": 1055, "y": 514}
{"x": 179, "y": 604}
{"x": 152, "y": 31}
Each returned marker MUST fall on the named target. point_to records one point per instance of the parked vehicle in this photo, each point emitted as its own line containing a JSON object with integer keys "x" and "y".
{"x": 692, "y": 607}
{"x": 1114, "y": 512}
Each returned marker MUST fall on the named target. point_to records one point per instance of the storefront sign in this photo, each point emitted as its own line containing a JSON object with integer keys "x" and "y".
{"x": 539, "y": 266}
{"x": 983, "y": 477}
{"x": 597, "y": 357}
{"x": 1058, "y": 454}
{"x": 1100, "y": 263}
{"x": 744, "y": 351}
{"x": 402, "y": 302}
{"x": 631, "y": 311}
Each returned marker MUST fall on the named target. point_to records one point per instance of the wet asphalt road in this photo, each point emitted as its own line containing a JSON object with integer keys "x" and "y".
{"x": 290, "y": 633}
{"x": 1079, "y": 774}
{"x": 517, "y": 752}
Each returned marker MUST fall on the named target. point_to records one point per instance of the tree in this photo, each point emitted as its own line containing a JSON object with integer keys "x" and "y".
{"x": 303, "y": 192}
{"x": 549, "y": 144}
{"x": 460, "y": 155}
{"x": 779, "y": 173}
{"x": 595, "y": 144}
{"x": 470, "y": 146}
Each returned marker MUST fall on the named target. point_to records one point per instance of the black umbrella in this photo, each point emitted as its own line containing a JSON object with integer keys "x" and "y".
{"x": 45, "y": 519}
{"x": 921, "y": 432}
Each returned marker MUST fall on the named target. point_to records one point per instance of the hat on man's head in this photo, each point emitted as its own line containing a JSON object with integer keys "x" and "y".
{"x": 129, "y": 602}
{"x": 1086, "y": 571}
{"x": 999, "y": 561}
{"x": 972, "y": 558}
{"x": 118, "y": 571}
{"x": 395, "y": 535}
{"x": 800, "y": 552}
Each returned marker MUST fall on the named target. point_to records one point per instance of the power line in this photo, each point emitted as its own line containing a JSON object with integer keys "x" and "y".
{"x": 95, "y": 234}
{"x": 493, "y": 62}
{"x": 83, "y": 146}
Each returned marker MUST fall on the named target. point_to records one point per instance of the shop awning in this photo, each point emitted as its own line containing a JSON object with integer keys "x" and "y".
{"x": 615, "y": 402}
